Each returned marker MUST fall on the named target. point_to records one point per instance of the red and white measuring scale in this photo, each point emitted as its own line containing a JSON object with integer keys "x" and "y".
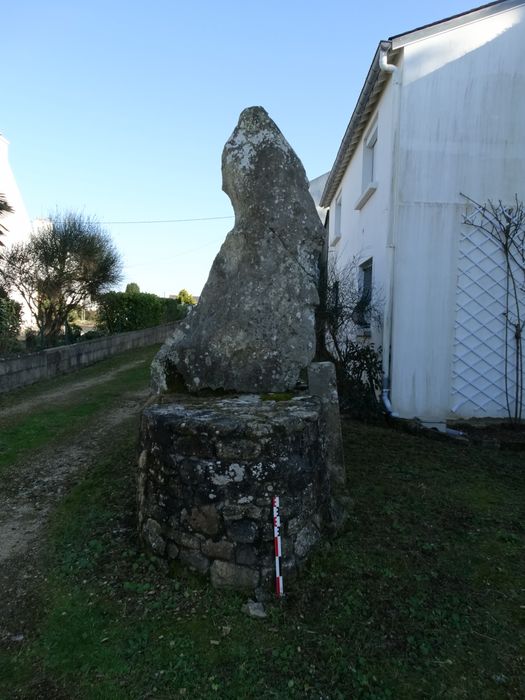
{"x": 279, "y": 591}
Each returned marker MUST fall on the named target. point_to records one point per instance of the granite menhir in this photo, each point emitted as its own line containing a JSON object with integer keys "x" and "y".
{"x": 254, "y": 328}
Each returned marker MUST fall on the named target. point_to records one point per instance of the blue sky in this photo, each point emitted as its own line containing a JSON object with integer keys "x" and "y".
{"x": 121, "y": 109}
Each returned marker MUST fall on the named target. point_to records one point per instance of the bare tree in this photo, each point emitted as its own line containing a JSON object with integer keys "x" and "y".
{"x": 351, "y": 311}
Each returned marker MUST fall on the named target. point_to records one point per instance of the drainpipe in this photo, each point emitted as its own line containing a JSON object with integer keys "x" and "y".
{"x": 386, "y": 67}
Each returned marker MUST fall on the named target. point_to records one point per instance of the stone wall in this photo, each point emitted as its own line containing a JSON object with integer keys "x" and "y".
{"x": 207, "y": 472}
{"x": 19, "y": 371}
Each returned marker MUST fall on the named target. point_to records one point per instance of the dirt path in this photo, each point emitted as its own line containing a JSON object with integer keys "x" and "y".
{"x": 32, "y": 492}
{"x": 58, "y": 395}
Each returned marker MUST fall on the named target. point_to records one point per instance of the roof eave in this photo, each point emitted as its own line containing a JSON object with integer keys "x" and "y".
{"x": 445, "y": 25}
{"x": 368, "y": 99}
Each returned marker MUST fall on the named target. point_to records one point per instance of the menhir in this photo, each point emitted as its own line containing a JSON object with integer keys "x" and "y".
{"x": 254, "y": 328}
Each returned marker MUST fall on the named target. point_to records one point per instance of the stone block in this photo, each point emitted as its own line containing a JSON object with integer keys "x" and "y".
{"x": 204, "y": 519}
{"x": 246, "y": 555}
{"x": 195, "y": 560}
{"x": 226, "y": 575}
{"x": 244, "y": 531}
{"x": 184, "y": 539}
{"x": 306, "y": 539}
{"x": 172, "y": 550}
{"x": 218, "y": 550}
{"x": 152, "y": 533}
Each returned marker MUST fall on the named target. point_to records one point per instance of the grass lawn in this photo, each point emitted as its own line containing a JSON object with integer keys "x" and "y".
{"x": 421, "y": 596}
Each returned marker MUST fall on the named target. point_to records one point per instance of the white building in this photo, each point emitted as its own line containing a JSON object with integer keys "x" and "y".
{"x": 18, "y": 224}
{"x": 441, "y": 113}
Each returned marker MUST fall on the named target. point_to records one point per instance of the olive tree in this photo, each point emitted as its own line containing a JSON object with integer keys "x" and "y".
{"x": 69, "y": 261}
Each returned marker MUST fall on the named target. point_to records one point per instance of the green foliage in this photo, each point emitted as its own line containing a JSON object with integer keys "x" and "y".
{"x": 173, "y": 310}
{"x": 132, "y": 288}
{"x": 10, "y": 321}
{"x": 419, "y": 597}
{"x": 130, "y": 311}
{"x": 65, "y": 264}
{"x": 184, "y": 297}
{"x": 5, "y": 208}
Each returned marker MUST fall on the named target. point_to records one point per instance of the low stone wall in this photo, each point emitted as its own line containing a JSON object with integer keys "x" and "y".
{"x": 27, "y": 369}
{"x": 207, "y": 472}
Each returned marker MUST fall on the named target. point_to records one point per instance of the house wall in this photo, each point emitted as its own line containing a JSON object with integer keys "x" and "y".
{"x": 461, "y": 131}
{"x": 364, "y": 231}
{"x": 18, "y": 223}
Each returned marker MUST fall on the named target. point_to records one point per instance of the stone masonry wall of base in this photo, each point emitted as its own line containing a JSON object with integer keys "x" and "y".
{"x": 207, "y": 473}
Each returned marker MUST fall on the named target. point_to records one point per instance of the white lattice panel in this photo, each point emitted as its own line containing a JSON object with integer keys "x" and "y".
{"x": 478, "y": 377}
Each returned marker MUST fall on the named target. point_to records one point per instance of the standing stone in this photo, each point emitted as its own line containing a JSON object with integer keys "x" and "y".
{"x": 253, "y": 329}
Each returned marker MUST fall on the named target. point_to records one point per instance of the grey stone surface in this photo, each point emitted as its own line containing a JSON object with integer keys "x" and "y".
{"x": 172, "y": 551}
{"x": 195, "y": 560}
{"x": 180, "y": 468}
{"x": 246, "y": 555}
{"x": 226, "y": 575}
{"x": 244, "y": 531}
{"x": 205, "y": 519}
{"x": 254, "y": 609}
{"x": 253, "y": 329}
{"x": 218, "y": 550}
{"x": 153, "y": 535}
{"x": 322, "y": 382}
{"x": 306, "y": 539}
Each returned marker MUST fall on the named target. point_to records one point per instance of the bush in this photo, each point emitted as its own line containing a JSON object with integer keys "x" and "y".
{"x": 130, "y": 311}
{"x": 92, "y": 335}
{"x": 174, "y": 310}
{"x": 10, "y": 321}
{"x": 359, "y": 378}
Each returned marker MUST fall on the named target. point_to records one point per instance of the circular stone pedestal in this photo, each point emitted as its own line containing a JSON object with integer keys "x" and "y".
{"x": 208, "y": 470}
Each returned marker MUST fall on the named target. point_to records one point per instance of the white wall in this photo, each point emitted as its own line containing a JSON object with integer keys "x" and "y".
{"x": 462, "y": 129}
{"x": 364, "y": 231}
{"x": 18, "y": 223}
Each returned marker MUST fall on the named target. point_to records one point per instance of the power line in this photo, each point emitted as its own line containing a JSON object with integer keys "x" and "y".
{"x": 169, "y": 221}
{"x": 176, "y": 257}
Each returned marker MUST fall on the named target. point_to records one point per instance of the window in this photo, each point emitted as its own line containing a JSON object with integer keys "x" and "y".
{"x": 369, "y": 156}
{"x": 361, "y": 312}
{"x": 337, "y": 220}
{"x": 369, "y": 184}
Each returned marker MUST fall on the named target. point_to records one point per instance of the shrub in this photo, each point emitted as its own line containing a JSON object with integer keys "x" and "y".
{"x": 348, "y": 312}
{"x": 130, "y": 311}
{"x": 10, "y": 321}
{"x": 92, "y": 335}
{"x": 359, "y": 378}
{"x": 174, "y": 310}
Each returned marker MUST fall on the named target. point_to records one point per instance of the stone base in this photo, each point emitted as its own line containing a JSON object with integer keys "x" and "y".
{"x": 207, "y": 472}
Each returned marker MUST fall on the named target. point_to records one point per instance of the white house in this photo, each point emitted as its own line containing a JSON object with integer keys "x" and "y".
{"x": 441, "y": 114}
{"x": 18, "y": 224}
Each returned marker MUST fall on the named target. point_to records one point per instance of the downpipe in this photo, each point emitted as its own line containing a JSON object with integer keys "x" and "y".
{"x": 392, "y": 69}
